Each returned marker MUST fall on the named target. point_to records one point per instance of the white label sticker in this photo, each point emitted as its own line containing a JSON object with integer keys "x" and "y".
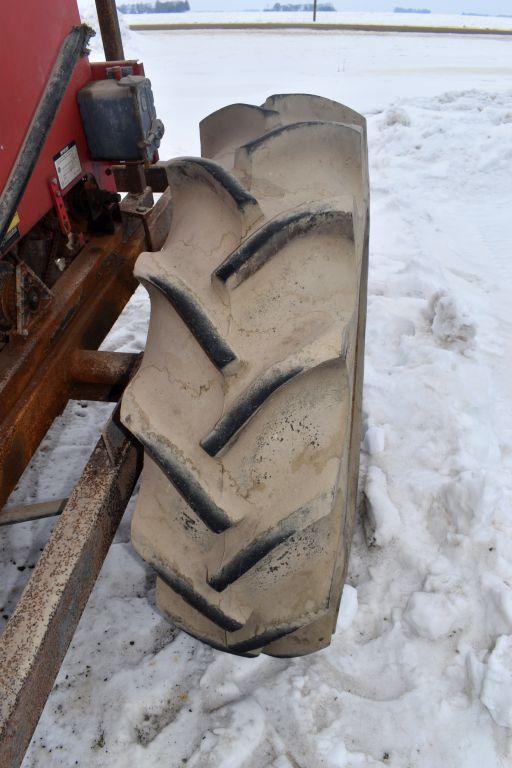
{"x": 67, "y": 165}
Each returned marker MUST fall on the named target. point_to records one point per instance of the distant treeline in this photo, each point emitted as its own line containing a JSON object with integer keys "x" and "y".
{"x": 398, "y": 9}
{"x": 495, "y": 15}
{"x": 302, "y": 7}
{"x": 171, "y": 6}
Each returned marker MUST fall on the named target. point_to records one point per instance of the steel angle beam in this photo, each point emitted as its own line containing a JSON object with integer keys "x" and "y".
{"x": 41, "y": 628}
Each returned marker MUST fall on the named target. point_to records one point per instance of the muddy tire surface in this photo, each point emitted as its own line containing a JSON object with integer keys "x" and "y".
{"x": 248, "y": 398}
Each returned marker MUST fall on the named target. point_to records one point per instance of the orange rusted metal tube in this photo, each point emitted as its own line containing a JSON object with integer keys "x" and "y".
{"x": 99, "y": 375}
{"x": 35, "y": 381}
{"x": 109, "y": 28}
{"x": 38, "y": 373}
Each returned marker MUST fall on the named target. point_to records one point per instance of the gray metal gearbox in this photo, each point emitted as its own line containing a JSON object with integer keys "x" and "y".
{"x": 119, "y": 119}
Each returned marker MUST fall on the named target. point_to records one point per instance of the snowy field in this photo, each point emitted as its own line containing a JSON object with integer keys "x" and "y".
{"x": 329, "y": 17}
{"x": 419, "y": 673}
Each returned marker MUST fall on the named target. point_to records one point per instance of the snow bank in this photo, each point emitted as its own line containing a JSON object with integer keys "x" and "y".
{"x": 497, "y": 684}
{"x": 382, "y": 521}
{"x": 450, "y": 325}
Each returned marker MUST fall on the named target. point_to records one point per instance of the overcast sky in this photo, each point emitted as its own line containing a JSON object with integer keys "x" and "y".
{"x": 436, "y": 6}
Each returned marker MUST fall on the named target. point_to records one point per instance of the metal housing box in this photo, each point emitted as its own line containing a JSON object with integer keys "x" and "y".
{"x": 119, "y": 119}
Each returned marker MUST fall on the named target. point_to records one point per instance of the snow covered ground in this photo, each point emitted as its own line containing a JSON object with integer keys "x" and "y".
{"x": 419, "y": 674}
{"x": 326, "y": 17}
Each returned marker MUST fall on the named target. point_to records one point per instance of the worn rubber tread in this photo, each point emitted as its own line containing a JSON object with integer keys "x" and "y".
{"x": 245, "y": 580}
{"x": 244, "y": 407}
{"x": 269, "y": 239}
{"x": 168, "y": 460}
{"x": 252, "y": 552}
{"x": 194, "y": 316}
{"x": 191, "y": 168}
{"x": 240, "y": 413}
{"x": 198, "y": 601}
{"x": 299, "y": 107}
{"x": 234, "y": 125}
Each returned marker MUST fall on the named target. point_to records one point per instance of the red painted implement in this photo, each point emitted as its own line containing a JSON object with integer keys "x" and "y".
{"x": 66, "y": 271}
{"x": 31, "y": 35}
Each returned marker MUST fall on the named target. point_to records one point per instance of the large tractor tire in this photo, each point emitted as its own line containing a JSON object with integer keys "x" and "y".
{"x": 248, "y": 398}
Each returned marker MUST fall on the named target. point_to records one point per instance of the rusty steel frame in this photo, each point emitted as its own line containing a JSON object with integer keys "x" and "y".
{"x": 42, "y": 626}
{"x": 39, "y": 373}
{"x": 58, "y": 360}
{"x": 109, "y": 28}
{"x": 24, "y": 513}
{"x": 155, "y": 176}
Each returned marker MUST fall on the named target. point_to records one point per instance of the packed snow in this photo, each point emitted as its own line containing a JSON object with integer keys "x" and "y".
{"x": 419, "y": 673}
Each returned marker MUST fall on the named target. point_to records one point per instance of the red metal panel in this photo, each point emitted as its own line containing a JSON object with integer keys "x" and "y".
{"x": 31, "y": 33}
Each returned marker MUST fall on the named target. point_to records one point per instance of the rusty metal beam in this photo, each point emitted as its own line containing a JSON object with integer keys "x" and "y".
{"x": 35, "y": 381}
{"x": 109, "y": 28}
{"x": 99, "y": 375}
{"x": 39, "y": 373}
{"x": 23, "y": 513}
{"x": 155, "y": 175}
{"x": 156, "y": 219}
{"x": 39, "y": 631}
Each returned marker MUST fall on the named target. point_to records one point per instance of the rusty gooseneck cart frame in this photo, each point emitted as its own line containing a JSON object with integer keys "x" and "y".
{"x": 58, "y": 360}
